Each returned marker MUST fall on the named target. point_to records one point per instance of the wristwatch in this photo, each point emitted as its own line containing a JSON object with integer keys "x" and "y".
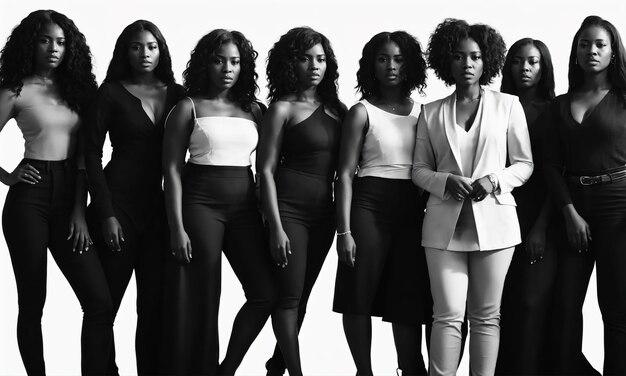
{"x": 493, "y": 181}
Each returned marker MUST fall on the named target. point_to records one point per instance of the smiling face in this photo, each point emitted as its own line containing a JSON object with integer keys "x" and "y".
{"x": 593, "y": 50}
{"x": 467, "y": 63}
{"x": 526, "y": 66}
{"x": 49, "y": 47}
{"x": 224, "y": 66}
{"x": 143, "y": 52}
{"x": 389, "y": 65}
{"x": 311, "y": 66}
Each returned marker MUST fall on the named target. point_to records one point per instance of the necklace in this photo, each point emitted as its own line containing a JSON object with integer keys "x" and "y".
{"x": 393, "y": 107}
{"x": 468, "y": 100}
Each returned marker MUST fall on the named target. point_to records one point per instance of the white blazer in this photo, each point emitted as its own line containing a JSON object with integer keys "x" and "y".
{"x": 502, "y": 128}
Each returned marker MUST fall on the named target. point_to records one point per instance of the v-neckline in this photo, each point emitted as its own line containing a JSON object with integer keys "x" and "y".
{"x": 589, "y": 113}
{"x": 143, "y": 110}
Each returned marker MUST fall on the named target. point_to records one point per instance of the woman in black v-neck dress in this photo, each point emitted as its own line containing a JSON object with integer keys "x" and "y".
{"x": 127, "y": 216}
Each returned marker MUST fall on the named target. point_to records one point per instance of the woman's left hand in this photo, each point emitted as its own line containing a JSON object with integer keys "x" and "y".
{"x": 79, "y": 233}
{"x": 480, "y": 189}
{"x": 535, "y": 244}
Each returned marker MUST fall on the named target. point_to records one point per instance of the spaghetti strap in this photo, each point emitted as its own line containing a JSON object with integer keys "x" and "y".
{"x": 193, "y": 108}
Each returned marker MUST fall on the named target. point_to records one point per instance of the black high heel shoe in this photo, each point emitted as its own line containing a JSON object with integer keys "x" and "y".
{"x": 274, "y": 368}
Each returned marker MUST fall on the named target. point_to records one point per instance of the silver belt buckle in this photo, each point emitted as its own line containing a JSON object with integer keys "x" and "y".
{"x": 589, "y": 180}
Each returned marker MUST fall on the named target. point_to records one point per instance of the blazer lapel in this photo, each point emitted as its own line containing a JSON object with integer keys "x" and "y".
{"x": 449, "y": 121}
{"x": 483, "y": 131}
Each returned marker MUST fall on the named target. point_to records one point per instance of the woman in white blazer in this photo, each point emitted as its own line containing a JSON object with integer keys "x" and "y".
{"x": 472, "y": 149}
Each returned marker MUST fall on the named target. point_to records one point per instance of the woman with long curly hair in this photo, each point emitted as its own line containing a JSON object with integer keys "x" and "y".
{"x": 296, "y": 161}
{"x": 211, "y": 206}
{"x": 382, "y": 271}
{"x": 527, "y": 295}
{"x": 46, "y": 83}
{"x": 586, "y": 175}
{"x": 472, "y": 149}
{"x": 127, "y": 216}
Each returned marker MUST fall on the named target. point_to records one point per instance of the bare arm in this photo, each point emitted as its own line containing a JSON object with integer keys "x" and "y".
{"x": 178, "y": 127}
{"x": 352, "y": 137}
{"x": 268, "y": 155}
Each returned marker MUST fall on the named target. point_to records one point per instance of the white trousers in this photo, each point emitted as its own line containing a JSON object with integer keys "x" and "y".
{"x": 466, "y": 279}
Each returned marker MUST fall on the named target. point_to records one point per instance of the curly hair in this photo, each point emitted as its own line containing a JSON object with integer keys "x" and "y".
{"x": 74, "y": 77}
{"x": 617, "y": 67}
{"x": 445, "y": 39}
{"x": 414, "y": 66}
{"x": 283, "y": 58}
{"x": 119, "y": 67}
{"x": 546, "y": 82}
{"x": 196, "y": 75}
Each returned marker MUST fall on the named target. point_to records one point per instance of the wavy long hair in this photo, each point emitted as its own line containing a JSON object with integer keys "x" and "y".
{"x": 444, "y": 40}
{"x": 414, "y": 65}
{"x": 617, "y": 67}
{"x": 196, "y": 77}
{"x": 546, "y": 82}
{"x": 74, "y": 77}
{"x": 119, "y": 67}
{"x": 283, "y": 58}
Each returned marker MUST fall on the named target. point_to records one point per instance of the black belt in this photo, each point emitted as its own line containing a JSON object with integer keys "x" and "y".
{"x": 599, "y": 179}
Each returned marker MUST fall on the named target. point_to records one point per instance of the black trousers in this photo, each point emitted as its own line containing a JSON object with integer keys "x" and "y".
{"x": 219, "y": 213}
{"x": 604, "y": 208}
{"x": 142, "y": 252}
{"x": 37, "y": 217}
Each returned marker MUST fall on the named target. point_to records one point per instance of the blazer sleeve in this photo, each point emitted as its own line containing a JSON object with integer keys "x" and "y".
{"x": 424, "y": 172}
{"x": 519, "y": 152}
{"x": 98, "y": 123}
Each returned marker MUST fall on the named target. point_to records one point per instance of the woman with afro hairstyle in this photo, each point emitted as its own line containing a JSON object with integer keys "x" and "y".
{"x": 382, "y": 271}
{"x": 297, "y": 161}
{"x": 211, "y": 206}
{"x": 46, "y": 83}
{"x": 472, "y": 149}
{"x": 586, "y": 174}
{"x": 527, "y": 295}
{"x": 127, "y": 215}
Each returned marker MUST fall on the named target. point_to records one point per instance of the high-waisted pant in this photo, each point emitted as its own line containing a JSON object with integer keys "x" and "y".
{"x": 142, "y": 252}
{"x": 37, "y": 217}
{"x": 604, "y": 209}
{"x": 466, "y": 279}
{"x": 219, "y": 213}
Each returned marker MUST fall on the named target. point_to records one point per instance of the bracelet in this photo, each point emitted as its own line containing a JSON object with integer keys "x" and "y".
{"x": 344, "y": 233}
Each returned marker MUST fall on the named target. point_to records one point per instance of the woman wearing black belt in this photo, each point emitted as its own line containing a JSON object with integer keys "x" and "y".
{"x": 127, "y": 215}
{"x": 45, "y": 84}
{"x": 211, "y": 206}
{"x": 297, "y": 161}
{"x": 586, "y": 174}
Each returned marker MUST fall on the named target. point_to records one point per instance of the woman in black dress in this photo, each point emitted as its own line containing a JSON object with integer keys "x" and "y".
{"x": 586, "y": 174}
{"x": 211, "y": 206}
{"x": 45, "y": 85}
{"x": 126, "y": 215}
{"x": 297, "y": 160}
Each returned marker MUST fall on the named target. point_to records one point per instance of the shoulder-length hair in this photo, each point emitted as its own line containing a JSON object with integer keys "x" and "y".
{"x": 445, "y": 39}
{"x": 414, "y": 63}
{"x": 196, "y": 76}
{"x": 282, "y": 60}
{"x": 617, "y": 67}
{"x": 546, "y": 82}
{"x": 119, "y": 67}
{"x": 74, "y": 77}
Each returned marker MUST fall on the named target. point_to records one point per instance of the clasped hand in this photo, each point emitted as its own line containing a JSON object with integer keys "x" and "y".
{"x": 460, "y": 188}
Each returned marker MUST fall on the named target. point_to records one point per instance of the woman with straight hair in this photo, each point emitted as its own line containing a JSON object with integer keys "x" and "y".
{"x": 127, "y": 214}
{"x": 586, "y": 174}
{"x": 46, "y": 83}
{"x": 472, "y": 150}
{"x": 297, "y": 160}
{"x": 212, "y": 206}
{"x": 382, "y": 271}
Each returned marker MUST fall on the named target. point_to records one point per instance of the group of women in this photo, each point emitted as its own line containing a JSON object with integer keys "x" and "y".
{"x": 421, "y": 199}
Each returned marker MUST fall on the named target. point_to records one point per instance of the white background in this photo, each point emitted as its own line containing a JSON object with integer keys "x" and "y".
{"x": 348, "y": 25}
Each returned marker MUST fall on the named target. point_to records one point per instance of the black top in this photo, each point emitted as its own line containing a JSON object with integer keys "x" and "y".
{"x": 312, "y": 145}
{"x": 593, "y": 147}
{"x": 132, "y": 180}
